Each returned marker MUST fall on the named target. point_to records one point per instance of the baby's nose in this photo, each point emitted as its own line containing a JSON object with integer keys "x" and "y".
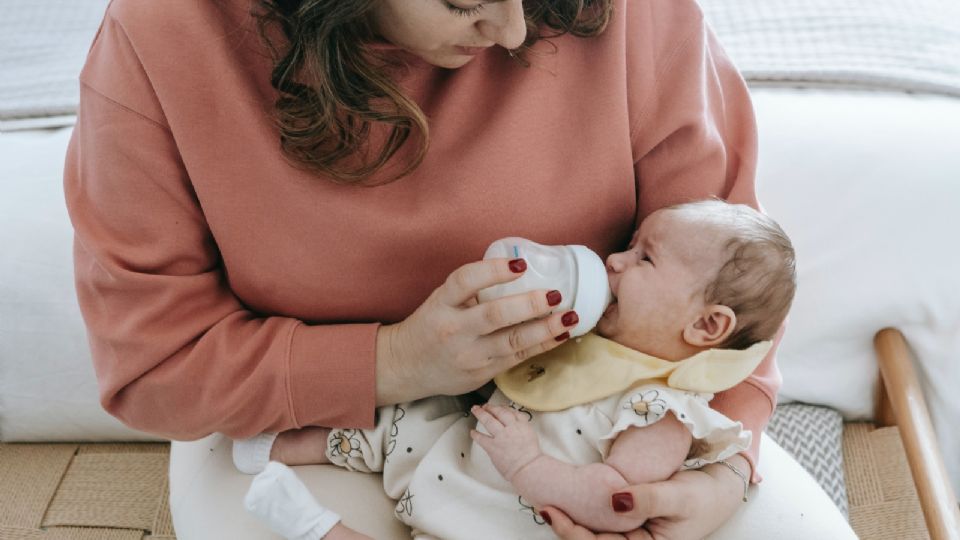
{"x": 615, "y": 262}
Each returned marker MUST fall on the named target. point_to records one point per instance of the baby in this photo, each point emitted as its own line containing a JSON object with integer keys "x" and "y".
{"x": 699, "y": 293}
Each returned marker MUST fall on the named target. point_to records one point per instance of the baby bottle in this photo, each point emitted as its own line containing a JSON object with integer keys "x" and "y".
{"x": 576, "y": 271}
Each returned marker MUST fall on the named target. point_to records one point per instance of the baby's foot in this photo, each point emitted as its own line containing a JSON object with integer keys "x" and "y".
{"x": 250, "y": 456}
{"x": 281, "y": 501}
{"x": 306, "y": 446}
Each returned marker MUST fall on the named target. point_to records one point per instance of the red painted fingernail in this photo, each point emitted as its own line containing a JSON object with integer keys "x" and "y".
{"x": 554, "y": 298}
{"x": 518, "y": 265}
{"x": 570, "y": 318}
{"x": 546, "y": 517}
{"x": 622, "y": 502}
{"x": 562, "y": 337}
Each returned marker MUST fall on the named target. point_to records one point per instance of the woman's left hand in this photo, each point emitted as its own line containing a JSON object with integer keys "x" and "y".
{"x": 690, "y": 505}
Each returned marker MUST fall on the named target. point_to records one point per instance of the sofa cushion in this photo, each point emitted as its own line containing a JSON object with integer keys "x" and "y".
{"x": 867, "y": 184}
{"x": 48, "y": 391}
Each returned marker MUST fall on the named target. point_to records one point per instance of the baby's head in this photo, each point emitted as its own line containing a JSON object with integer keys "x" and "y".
{"x": 697, "y": 276}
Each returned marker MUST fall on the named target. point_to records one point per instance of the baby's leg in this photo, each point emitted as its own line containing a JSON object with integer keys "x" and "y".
{"x": 305, "y": 446}
{"x": 365, "y": 450}
{"x": 402, "y": 436}
{"x": 283, "y": 503}
{"x": 342, "y": 532}
{"x": 404, "y": 433}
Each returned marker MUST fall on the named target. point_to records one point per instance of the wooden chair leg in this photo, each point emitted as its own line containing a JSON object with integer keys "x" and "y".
{"x": 901, "y": 395}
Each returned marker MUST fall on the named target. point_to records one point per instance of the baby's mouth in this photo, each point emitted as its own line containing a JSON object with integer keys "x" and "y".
{"x": 610, "y": 307}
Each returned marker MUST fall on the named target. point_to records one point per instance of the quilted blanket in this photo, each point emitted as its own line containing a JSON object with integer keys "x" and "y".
{"x": 43, "y": 44}
{"x": 910, "y": 45}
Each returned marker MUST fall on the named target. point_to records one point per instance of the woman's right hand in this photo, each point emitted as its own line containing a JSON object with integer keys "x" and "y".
{"x": 691, "y": 504}
{"x": 452, "y": 345}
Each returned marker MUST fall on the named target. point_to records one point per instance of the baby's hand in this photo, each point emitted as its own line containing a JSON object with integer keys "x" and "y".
{"x": 512, "y": 443}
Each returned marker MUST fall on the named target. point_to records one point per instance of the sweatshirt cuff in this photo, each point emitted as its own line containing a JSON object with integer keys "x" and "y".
{"x": 749, "y": 404}
{"x": 332, "y": 375}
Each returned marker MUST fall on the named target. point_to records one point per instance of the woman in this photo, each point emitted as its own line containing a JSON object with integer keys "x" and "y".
{"x": 278, "y": 217}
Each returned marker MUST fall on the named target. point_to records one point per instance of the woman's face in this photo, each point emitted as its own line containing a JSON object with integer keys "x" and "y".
{"x": 450, "y": 33}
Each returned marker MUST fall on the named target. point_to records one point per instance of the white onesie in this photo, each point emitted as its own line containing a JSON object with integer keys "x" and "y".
{"x": 447, "y": 487}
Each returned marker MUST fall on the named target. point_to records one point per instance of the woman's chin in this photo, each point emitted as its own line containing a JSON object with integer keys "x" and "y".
{"x": 446, "y": 61}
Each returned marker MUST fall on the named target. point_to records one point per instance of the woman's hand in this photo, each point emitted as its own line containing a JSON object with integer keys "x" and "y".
{"x": 452, "y": 345}
{"x": 690, "y": 505}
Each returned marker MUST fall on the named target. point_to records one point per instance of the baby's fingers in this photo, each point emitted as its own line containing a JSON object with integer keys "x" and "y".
{"x": 480, "y": 438}
{"x": 493, "y": 425}
{"x": 506, "y": 415}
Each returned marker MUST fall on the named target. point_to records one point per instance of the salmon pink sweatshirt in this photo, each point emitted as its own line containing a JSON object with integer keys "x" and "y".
{"x": 225, "y": 290}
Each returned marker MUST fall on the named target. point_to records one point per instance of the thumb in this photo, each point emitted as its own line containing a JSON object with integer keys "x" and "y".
{"x": 648, "y": 501}
{"x": 563, "y": 527}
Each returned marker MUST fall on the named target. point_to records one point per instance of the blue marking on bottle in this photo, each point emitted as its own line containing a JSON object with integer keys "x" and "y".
{"x": 515, "y": 252}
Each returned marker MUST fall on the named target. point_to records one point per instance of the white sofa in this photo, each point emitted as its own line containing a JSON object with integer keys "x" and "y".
{"x": 867, "y": 184}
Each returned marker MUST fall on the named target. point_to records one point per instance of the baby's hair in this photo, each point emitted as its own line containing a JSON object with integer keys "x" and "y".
{"x": 758, "y": 277}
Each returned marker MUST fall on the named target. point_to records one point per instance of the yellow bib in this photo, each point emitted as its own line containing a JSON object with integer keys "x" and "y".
{"x": 592, "y": 367}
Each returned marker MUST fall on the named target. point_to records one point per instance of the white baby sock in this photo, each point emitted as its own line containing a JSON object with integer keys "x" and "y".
{"x": 283, "y": 503}
{"x": 250, "y": 456}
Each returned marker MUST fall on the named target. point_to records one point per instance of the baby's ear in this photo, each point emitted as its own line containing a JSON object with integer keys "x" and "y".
{"x": 713, "y": 325}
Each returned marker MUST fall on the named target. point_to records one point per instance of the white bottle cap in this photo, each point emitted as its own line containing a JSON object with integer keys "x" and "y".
{"x": 593, "y": 289}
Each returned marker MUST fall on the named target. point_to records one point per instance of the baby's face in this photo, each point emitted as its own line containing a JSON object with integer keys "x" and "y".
{"x": 658, "y": 283}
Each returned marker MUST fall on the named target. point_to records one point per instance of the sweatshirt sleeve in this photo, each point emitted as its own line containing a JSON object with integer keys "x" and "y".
{"x": 752, "y": 402}
{"x": 175, "y": 352}
{"x": 694, "y": 136}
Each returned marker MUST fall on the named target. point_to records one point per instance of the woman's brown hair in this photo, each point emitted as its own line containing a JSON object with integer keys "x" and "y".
{"x": 333, "y": 88}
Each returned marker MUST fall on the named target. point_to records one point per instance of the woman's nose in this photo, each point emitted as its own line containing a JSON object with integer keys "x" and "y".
{"x": 506, "y": 26}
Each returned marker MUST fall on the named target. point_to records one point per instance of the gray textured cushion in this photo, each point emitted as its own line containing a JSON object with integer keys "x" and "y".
{"x": 814, "y": 437}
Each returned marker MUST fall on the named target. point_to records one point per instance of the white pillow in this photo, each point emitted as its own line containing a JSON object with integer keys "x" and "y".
{"x": 48, "y": 390}
{"x": 867, "y": 185}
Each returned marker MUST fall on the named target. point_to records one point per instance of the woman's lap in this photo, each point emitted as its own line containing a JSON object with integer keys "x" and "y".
{"x": 206, "y": 495}
{"x": 787, "y": 504}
